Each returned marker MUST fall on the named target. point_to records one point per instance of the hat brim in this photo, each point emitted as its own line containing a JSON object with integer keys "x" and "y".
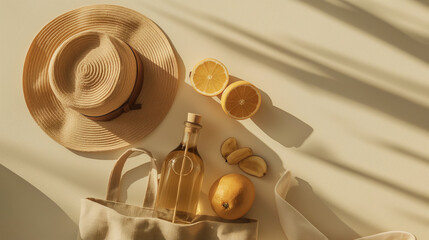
{"x": 72, "y": 129}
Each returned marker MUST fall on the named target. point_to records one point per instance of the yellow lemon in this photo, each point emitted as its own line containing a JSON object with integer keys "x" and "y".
{"x": 232, "y": 196}
{"x": 209, "y": 77}
{"x": 241, "y": 100}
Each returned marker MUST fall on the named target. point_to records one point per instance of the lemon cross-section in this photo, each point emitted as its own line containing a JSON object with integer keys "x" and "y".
{"x": 209, "y": 77}
{"x": 241, "y": 100}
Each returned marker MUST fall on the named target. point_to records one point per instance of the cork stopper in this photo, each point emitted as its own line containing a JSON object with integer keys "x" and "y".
{"x": 194, "y": 118}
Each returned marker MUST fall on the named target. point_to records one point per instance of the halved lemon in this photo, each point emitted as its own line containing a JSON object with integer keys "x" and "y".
{"x": 209, "y": 77}
{"x": 241, "y": 100}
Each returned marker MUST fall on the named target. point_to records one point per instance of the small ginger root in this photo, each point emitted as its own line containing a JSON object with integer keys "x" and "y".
{"x": 228, "y": 146}
{"x": 253, "y": 165}
{"x": 238, "y": 155}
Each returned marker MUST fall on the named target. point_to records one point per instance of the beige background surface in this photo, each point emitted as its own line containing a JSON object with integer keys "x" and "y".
{"x": 345, "y": 106}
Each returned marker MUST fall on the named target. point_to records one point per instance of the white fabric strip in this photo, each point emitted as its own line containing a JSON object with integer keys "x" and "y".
{"x": 297, "y": 227}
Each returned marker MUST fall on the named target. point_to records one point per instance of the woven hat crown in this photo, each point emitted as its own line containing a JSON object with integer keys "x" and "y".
{"x": 93, "y": 73}
{"x": 85, "y": 63}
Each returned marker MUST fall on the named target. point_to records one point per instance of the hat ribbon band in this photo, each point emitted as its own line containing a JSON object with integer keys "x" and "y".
{"x": 130, "y": 103}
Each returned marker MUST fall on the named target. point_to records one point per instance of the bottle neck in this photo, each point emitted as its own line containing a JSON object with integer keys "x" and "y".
{"x": 191, "y": 134}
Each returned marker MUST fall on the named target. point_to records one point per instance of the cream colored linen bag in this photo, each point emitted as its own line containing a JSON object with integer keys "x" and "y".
{"x": 111, "y": 219}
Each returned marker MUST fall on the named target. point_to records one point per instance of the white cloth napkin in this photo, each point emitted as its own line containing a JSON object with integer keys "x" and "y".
{"x": 297, "y": 227}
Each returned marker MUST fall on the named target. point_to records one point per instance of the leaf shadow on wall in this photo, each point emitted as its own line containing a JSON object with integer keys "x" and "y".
{"x": 323, "y": 154}
{"x": 376, "y": 26}
{"x": 332, "y": 81}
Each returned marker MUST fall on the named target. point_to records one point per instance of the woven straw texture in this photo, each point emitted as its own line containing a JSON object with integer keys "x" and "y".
{"x": 93, "y": 73}
{"x": 69, "y": 127}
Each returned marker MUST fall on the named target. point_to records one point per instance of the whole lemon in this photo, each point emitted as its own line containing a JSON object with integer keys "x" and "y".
{"x": 232, "y": 196}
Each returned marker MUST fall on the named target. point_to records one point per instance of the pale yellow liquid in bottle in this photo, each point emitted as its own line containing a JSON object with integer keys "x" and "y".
{"x": 179, "y": 203}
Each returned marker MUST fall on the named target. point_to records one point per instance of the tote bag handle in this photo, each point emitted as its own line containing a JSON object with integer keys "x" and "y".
{"x": 113, "y": 190}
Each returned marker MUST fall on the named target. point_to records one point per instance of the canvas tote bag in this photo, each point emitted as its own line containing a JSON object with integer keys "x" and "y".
{"x": 111, "y": 219}
{"x": 297, "y": 227}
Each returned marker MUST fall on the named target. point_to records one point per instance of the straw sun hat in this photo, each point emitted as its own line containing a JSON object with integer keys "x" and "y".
{"x": 99, "y": 78}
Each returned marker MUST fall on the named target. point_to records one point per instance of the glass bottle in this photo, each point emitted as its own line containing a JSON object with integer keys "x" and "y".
{"x": 181, "y": 177}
